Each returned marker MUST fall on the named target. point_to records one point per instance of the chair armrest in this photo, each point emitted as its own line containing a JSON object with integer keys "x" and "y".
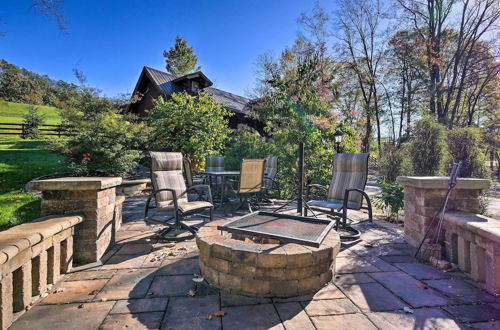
{"x": 204, "y": 186}
{"x": 153, "y": 193}
{"x": 311, "y": 186}
{"x": 362, "y": 192}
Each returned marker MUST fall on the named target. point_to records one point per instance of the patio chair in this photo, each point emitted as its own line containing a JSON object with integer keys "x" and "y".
{"x": 251, "y": 184}
{"x": 214, "y": 164}
{"x": 346, "y": 191}
{"x": 170, "y": 193}
{"x": 270, "y": 183}
{"x": 191, "y": 180}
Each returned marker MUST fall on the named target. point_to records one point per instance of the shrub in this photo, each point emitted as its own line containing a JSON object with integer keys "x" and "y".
{"x": 32, "y": 120}
{"x": 390, "y": 199}
{"x": 464, "y": 145}
{"x": 195, "y": 126}
{"x": 426, "y": 147}
{"x": 393, "y": 162}
{"x": 245, "y": 142}
{"x": 109, "y": 139}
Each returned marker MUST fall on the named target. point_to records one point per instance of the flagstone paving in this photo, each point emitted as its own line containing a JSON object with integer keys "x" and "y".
{"x": 145, "y": 283}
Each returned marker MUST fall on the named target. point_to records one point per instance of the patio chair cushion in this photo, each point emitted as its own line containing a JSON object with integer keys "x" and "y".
{"x": 333, "y": 204}
{"x": 270, "y": 171}
{"x": 349, "y": 172}
{"x": 184, "y": 206}
{"x": 166, "y": 170}
{"x": 166, "y": 161}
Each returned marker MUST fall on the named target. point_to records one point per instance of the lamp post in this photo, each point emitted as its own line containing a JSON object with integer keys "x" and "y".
{"x": 338, "y": 139}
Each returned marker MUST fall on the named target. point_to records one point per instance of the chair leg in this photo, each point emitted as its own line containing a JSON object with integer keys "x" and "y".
{"x": 370, "y": 212}
{"x": 344, "y": 217}
{"x": 211, "y": 214}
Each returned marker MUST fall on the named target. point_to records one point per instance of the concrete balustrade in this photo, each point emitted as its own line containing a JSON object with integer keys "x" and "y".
{"x": 467, "y": 239}
{"x": 473, "y": 242}
{"x": 424, "y": 196}
{"x": 32, "y": 256}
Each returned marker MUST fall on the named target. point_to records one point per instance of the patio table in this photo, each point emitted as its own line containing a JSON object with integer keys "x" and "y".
{"x": 223, "y": 175}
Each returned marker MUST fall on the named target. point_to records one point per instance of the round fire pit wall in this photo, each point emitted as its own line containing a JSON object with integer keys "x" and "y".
{"x": 264, "y": 270}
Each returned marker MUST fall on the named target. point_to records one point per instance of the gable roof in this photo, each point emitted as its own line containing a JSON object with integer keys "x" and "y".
{"x": 165, "y": 83}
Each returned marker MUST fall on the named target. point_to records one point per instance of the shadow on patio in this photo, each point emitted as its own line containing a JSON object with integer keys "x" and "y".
{"x": 145, "y": 283}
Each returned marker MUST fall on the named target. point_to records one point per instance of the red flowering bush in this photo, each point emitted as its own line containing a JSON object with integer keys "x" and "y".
{"x": 78, "y": 162}
{"x": 101, "y": 140}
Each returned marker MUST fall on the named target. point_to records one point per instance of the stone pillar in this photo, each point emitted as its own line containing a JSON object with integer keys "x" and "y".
{"x": 92, "y": 197}
{"x": 424, "y": 196}
{"x": 6, "y": 295}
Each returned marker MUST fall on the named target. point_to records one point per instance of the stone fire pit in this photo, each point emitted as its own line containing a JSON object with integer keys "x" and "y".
{"x": 244, "y": 267}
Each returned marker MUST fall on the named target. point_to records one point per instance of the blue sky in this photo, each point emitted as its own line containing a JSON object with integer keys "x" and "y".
{"x": 110, "y": 40}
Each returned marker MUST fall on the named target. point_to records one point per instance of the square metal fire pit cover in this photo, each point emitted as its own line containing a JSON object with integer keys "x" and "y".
{"x": 283, "y": 227}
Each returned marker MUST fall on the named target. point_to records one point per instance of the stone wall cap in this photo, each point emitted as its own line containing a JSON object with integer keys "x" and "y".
{"x": 129, "y": 182}
{"x": 441, "y": 182}
{"x": 76, "y": 183}
{"x": 479, "y": 224}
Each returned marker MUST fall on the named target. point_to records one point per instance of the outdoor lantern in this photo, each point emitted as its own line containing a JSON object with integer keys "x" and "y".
{"x": 338, "y": 139}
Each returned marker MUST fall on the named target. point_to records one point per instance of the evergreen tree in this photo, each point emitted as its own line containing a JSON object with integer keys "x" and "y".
{"x": 180, "y": 59}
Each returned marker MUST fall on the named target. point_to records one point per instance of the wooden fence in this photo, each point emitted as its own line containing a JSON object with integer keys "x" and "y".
{"x": 23, "y": 129}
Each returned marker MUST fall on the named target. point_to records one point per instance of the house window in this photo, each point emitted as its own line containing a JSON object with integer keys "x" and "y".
{"x": 195, "y": 86}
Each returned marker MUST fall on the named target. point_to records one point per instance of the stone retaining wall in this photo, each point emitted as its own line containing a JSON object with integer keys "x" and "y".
{"x": 470, "y": 240}
{"x": 264, "y": 270}
{"x": 32, "y": 256}
{"x": 424, "y": 196}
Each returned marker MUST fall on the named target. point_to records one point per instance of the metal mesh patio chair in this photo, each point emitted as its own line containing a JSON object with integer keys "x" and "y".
{"x": 346, "y": 191}
{"x": 192, "y": 180}
{"x": 170, "y": 194}
{"x": 270, "y": 173}
{"x": 251, "y": 184}
{"x": 214, "y": 164}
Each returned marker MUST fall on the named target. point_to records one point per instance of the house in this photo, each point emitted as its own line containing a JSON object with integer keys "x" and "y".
{"x": 153, "y": 83}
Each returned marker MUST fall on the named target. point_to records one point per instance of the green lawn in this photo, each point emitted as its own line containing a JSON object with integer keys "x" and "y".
{"x": 20, "y": 161}
{"x": 13, "y": 113}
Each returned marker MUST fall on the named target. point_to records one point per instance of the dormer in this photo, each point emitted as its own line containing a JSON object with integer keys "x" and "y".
{"x": 193, "y": 82}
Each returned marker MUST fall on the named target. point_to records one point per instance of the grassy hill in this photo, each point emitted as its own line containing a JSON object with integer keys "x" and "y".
{"x": 13, "y": 113}
{"x": 20, "y": 161}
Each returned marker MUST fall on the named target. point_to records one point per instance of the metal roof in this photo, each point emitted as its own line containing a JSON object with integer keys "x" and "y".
{"x": 165, "y": 82}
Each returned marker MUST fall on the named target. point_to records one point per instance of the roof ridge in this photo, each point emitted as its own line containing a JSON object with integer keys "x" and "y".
{"x": 227, "y": 92}
{"x": 163, "y": 72}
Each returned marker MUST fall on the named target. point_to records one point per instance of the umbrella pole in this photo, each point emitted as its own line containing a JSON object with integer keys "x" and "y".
{"x": 300, "y": 179}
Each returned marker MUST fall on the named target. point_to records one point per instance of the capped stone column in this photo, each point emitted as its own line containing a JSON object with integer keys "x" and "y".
{"x": 92, "y": 197}
{"x": 424, "y": 196}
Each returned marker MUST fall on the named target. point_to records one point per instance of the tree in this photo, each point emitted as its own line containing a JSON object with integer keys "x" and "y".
{"x": 298, "y": 102}
{"x": 180, "y": 59}
{"x": 196, "y": 126}
{"x": 49, "y": 9}
{"x": 100, "y": 139}
{"x": 452, "y": 31}
{"x": 361, "y": 47}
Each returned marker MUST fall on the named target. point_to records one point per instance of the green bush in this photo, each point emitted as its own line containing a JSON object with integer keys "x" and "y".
{"x": 32, "y": 120}
{"x": 102, "y": 140}
{"x": 464, "y": 145}
{"x": 427, "y": 148}
{"x": 393, "y": 162}
{"x": 245, "y": 142}
{"x": 195, "y": 126}
{"x": 390, "y": 200}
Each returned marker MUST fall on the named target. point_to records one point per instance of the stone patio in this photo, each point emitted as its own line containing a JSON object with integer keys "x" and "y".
{"x": 146, "y": 283}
